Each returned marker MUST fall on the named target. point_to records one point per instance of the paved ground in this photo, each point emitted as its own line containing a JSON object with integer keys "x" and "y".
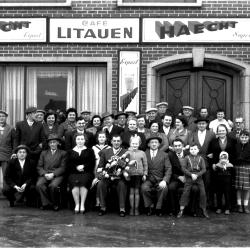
{"x": 30, "y": 227}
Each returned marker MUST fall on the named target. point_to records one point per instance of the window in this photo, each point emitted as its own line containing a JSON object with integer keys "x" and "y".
{"x": 41, "y": 3}
{"x": 83, "y": 87}
{"x": 150, "y": 3}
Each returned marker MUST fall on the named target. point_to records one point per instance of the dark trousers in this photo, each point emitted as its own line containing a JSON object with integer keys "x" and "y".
{"x": 187, "y": 191}
{"x": 223, "y": 187}
{"x": 121, "y": 188}
{"x": 150, "y": 190}
{"x": 49, "y": 190}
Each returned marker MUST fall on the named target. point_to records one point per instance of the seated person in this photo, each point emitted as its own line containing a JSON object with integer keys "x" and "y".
{"x": 51, "y": 167}
{"x": 19, "y": 176}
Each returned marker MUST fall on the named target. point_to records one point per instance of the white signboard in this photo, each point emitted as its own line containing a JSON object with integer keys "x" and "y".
{"x": 22, "y": 30}
{"x": 129, "y": 77}
{"x": 196, "y": 30}
{"x": 94, "y": 30}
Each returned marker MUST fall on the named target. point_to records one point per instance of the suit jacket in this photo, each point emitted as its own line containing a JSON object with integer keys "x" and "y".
{"x": 15, "y": 175}
{"x": 30, "y": 136}
{"x": 159, "y": 168}
{"x": 115, "y": 131}
{"x": 7, "y": 141}
{"x": 49, "y": 163}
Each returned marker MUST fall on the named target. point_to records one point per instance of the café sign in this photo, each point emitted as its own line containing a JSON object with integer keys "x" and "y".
{"x": 94, "y": 30}
{"x": 22, "y": 30}
{"x": 196, "y": 30}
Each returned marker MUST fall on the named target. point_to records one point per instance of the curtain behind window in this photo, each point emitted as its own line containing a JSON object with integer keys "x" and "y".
{"x": 12, "y": 92}
{"x": 91, "y": 89}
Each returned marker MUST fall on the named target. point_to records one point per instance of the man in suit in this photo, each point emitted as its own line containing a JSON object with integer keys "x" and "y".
{"x": 51, "y": 168}
{"x": 30, "y": 133}
{"x": 162, "y": 111}
{"x": 239, "y": 125}
{"x": 166, "y": 124}
{"x": 19, "y": 176}
{"x": 187, "y": 111}
{"x": 107, "y": 156}
{"x": 159, "y": 173}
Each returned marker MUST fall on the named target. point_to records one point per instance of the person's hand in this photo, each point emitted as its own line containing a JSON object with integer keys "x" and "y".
{"x": 144, "y": 177}
{"x": 210, "y": 156}
{"x": 214, "y": 167}
{"x": 162, "y": 184}
{"x": 186, "y": 147}
{"x": 194, "y": 177}
{"x": 49, "y": 176}
{"x": 80, "y": 168}
{"x": 182, "y": 179}
{"x": 18, "y": 189}
{"x": 23, "y": 187}
{"x": 40, "y": 145}
{"x": 171, "y": 148}
{"x": 13, "y": 156}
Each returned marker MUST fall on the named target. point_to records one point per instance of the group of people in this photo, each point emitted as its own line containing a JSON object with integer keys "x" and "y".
{"x": 167, "y": 162}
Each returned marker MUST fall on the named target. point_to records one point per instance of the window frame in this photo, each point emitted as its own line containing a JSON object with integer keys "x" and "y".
{"x": 121, "y": 3}
{"x": 66, "y": 3}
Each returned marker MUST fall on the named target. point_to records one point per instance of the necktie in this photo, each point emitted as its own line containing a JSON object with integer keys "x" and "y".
{"x": 153, "y": 155}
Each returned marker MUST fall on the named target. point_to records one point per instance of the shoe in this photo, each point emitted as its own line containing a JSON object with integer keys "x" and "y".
{"x": 246, "y": 210}
{"x": 180, "y": 214}
{"x": 122, "y": 213}
{"x": 240, "y": 209}
{"x": 218, "y": 211}
{"x": 102, "y": 212}
{"x": 45, "y": 207}
{"x": 149, "y": 211}
{"x": 158, "y": 212}
{"x": 227, "y": 212}
{"x": 82, "y": 211}
{"x": 12, "y": 203}
{"x": 76, "y": 211}
{"x": 205, "y": 214}
{"x": 56, "y": 208}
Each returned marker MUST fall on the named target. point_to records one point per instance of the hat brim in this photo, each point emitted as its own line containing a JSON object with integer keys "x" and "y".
{"x": 22, "y": 147}
{"x": 111, "y": 115}
{"x": 154, "y": 138}
{"x": 3, "y": 112}
{"x": 117, "y": 115}
{"x": 56, "y": 139}
{"x": 201, "y": 120}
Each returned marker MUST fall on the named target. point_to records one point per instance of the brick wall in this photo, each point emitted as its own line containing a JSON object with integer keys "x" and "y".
{"x": 108, "y": 8}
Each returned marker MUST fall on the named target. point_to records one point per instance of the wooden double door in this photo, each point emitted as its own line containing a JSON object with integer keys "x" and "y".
{"x": 197, "y": 89}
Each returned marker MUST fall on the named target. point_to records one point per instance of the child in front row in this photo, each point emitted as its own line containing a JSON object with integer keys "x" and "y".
{"x": 193, "y": 168}
{"x": 138, "y": 170}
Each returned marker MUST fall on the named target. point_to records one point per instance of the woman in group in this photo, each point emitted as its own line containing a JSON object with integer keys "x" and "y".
{"x": 96, "y": 123}
{"x": 81, "y": 171}
{"x": 179, "y": 131}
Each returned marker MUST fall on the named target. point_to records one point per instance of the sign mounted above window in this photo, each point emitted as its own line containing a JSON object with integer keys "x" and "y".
{"x": 35, "y": 3}
{"x": 94, "y": 30}
{"x": 196, "y": 30}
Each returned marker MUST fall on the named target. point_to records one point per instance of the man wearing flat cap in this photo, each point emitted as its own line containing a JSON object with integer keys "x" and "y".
{"x": 85, "y": 114}
{"x": 40, "y": 113}
{"x": 159, "y": 173}
{"x": 7, "y": 137}
{"x": 51, "y": 168}
{"x": 150, "y": 116}
{"x": 162, "y": 111}
{"x": 187, "y": 111}
{"x": 30, "y": 133}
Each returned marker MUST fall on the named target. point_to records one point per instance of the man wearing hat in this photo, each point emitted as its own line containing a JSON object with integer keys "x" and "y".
{"x": 151, "y": 115}
{"x": 159, "y": 173}
{"x": 187, "y": 111}
{"x": 131, "y": 113}
{"x": 20, "y": 177}
{"x": 121, "y": 118}
{"x": 7, "y": 136}
{"x": 40, "y": 113}
{"x": 85, "y": 114}
{"x": 30, "y": 133}
{"x": 51, "y": 168}
{"x": 108, "y": 126}
{"x": 162, "y": 110}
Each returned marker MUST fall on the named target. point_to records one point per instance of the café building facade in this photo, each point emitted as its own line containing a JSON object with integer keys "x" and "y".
{"x": 113, "y": 55}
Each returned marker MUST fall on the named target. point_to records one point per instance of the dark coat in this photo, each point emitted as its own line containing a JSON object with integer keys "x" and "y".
{"x": 242, "y": 153}
{"x": 15, "y": 175}
{"x": 115, "y": 131}
{"x": 7, "y": 141}
{"x": 126, "y": 135}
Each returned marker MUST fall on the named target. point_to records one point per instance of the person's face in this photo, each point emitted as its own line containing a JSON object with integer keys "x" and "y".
{"x": 162, "y": 109}
{"x": 80, "y": 124}
{"x": 80, "y": 140}
{"x": 134, "y": 144}
{"x": 132, "y": 125}
{"x": 3, "y": 118}
{"x": 203, "y": 113}
{"x": 178, "y": 146}
{"x": 239, "y": 123}
{"x": 194, "y": 150}
{"x": 39, "y": 116}
{"x": 202, "y": 125}
{"x": 108, "y": 121}
{"x": 121, "y": 119}
{"x": 178, "y": 124}
{"x": 53, "y": 144}
{"x": 154, "y": 144}
{"x": 102, "y": 138}
{"x": 221, "y": 131}
{"x": 86, "y": 116}
{"x": 244, "y": 139}
{"x": 32, "y": 116}
{"x": 21, "y": 154}
{"x": 151, "y": 115}
{"x": 72, "y": 116}
{"x": 96, "y": 122}
{"x": 220, "y": 115}
{"x": 116, "y": 142}
{"x": 167, "y": 120}
{"x": 187, "y": 112}
{"x": 154, "y": 128}
{"x": 141, "y": 122}
{"x": 51, "y": 119}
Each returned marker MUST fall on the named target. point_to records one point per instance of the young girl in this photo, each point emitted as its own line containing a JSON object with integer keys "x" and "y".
{"x": 138, "y": 171}
{"x": 98, "y": 149}
{"x": 193, "y": 168}
{"x": 242, "y": 167}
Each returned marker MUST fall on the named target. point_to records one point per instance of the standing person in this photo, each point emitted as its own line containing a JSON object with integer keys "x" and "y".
{"x": 85, "y": 114}
{"x": 30, "y": 133}
{"x": 159, "y": 173}
{"x": 51, "y": 168}
{"x": 141, "y": 122}
{"x": 81, "y": 161}
{"x": 166, "y": 124}
{"x": 137, "y": 172}
{"x": 193, "y": 169}
{"x": 121, "y": 118}
{"x": 220, "y": 114}
{"x": 131, "y": 113}
{"x": 162, "y": 111}
{"x": 96, "y": 123}
{"x": 150, "y": 116}
{"x": 187, "y": 111}
{"x": 7, "y": 137}
{"x": 40, "y": 114}
{"x": 239, "y": 125}
{"x": 242, "y": 166}
{"x": 20, "y": 176}
{"x": 203, "y": 112}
